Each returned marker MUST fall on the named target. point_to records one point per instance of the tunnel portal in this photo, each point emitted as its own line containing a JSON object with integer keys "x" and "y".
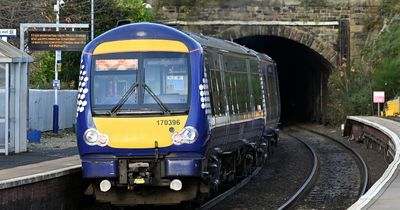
{"x": 303, "y": 76}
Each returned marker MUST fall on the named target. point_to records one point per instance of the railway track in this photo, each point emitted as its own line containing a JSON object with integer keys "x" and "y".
{"x": 214, "y": 201}
{"x": 338, "y": 178}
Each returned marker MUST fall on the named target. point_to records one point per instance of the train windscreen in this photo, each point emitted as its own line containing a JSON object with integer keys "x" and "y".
{"x": 138, "y": 83}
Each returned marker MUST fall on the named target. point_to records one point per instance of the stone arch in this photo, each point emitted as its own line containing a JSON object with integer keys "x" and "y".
{"x": 289, "y": 32}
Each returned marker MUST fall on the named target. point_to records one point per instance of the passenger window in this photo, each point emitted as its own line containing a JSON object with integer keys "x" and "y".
{"x": 215, "y": 83}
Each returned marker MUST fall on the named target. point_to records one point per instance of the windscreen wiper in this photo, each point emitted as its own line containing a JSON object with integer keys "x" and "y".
{"x": 159, "y": 102}
{"x": 124, "y": 98}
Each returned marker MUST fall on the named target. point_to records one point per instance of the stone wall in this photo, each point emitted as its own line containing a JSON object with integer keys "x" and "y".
{"x": 307, "y": 11}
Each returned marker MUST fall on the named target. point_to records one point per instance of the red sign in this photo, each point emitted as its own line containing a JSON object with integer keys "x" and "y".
{"x": 379, "y": 97}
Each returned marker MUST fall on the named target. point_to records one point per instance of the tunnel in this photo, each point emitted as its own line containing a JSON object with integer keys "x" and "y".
{"x": 303, "y": 76}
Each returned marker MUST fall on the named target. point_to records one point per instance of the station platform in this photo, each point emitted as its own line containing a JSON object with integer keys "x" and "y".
{"x": 54, "y": 156}
{"x": 385, "y": 193}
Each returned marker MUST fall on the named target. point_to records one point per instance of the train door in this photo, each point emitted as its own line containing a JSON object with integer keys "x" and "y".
{"x": 272, "y": 93}
{"x": 267, "y": 91}
{"x": 278, "y": 95}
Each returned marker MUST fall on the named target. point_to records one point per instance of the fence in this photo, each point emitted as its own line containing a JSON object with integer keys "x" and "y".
{"x": 41, "y": 109}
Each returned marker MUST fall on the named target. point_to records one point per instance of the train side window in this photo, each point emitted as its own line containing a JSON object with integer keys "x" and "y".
{"x": 242, "y": 91}
{"x": 237, "y": 84}
{"x": 235, "y": 63}
{"x": 254, "y": 66}
{"x": 215, "y": 83}
{"x": 256, "y": 83}
{"x": 267, "y": 90}
{"x": 231, "y": 92}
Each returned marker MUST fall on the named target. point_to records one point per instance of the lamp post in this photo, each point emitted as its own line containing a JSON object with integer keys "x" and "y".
{"x": 57, "y": 62}
{"x": 147, "y": 6}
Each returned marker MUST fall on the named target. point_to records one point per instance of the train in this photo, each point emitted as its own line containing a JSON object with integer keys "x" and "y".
{"x": 169, "y": 117}
{"x": 391, "y": 108}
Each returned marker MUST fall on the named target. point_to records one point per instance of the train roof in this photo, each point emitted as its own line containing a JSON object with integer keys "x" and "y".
{"x": 159, "y": 31}
{"x": 211, "y": 42}
{"x": 224, "y": 45}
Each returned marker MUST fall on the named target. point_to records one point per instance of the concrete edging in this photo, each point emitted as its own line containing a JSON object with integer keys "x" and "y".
{"x": 380, "y": 186}
{"x": 33, "y": 173}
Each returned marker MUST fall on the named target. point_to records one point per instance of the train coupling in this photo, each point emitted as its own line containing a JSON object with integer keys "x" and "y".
{"x": 139, "y": 173}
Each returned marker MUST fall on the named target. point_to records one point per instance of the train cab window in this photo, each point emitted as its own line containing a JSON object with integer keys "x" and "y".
{"x": 112, "y": 78}
{"x": 129, "y": 83}
{"x": 167, "y": 78}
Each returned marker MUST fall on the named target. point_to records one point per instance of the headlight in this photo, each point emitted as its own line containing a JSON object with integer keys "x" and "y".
{"x": 188, "y": 135}
{"x": 91, "y": 135}
{"x": 94, "y": 137}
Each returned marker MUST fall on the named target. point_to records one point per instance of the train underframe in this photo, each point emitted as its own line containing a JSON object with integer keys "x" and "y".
{"x": 158, "y": 181}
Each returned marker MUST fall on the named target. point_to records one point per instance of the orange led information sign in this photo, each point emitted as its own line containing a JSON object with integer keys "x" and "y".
{"x": 116, "y": 64}
{"x": 57, "y": 40}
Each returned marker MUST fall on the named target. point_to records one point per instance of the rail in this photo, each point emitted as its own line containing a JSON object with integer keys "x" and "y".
{"x": 307, "y": 184}
{"x": 211, "y": 203}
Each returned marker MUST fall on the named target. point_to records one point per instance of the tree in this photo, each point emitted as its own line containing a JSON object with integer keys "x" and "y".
{"x": 107, "y": 14}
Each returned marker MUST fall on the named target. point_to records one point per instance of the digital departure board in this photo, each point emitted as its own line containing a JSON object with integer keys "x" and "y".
{"x": 57, "y": 40}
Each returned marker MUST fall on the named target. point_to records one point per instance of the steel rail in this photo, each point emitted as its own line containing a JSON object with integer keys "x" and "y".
{"x": 211, "y": 203}
{"x": 309, "y": 181}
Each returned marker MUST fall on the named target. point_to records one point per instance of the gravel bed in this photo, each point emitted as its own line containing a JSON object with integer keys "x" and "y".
{"x": 286, "y": 170}
{"x": 283, "y": 174}
{"x": 51, "y": 146}
{"x": 339, "y": 179}
{"x": 372, "y": 157}
{"x": 65, "y": 138}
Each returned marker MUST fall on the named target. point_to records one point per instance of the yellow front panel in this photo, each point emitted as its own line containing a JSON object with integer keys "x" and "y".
{"x": 141, "y": 45}
{"x": 139, "y": 132}
{"x": 392, "y": 108}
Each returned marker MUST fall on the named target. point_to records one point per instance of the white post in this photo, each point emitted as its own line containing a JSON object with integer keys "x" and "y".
{"x": 17, "y": 95}
{"x": 21, "y": 37}
{"x": 7, "y": 95}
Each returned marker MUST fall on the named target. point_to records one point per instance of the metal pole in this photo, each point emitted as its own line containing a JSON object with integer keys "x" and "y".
{"x": 21, "y": 37}
{"x": 7, "y": 114}
{"x": 379, "y": 109}
{"x": 92, "y": 19}
{"x": 55, "y": 107}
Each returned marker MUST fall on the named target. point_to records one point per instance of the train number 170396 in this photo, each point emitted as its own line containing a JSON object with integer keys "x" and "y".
{"x": 168, "y": 122}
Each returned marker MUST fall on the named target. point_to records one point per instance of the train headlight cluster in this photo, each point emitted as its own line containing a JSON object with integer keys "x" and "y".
{"x": 188, "y": 135}
{"x": 94, "y": 137}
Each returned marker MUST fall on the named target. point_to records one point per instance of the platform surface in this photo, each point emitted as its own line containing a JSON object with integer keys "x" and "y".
{"x": 55, "y": 156}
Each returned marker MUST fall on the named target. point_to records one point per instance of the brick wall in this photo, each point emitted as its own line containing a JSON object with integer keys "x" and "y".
{"x": 64, "y": 192}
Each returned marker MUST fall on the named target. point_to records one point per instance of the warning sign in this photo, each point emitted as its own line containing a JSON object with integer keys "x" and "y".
{"x": 379, "y": 96}
{"x": 57, "y": 40}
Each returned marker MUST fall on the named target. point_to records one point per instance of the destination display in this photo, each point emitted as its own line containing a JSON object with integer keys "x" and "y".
{"x": 57, "y": 40}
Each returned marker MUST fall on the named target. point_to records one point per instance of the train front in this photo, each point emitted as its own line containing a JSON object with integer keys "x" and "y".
{"x": 141, "y": 122}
